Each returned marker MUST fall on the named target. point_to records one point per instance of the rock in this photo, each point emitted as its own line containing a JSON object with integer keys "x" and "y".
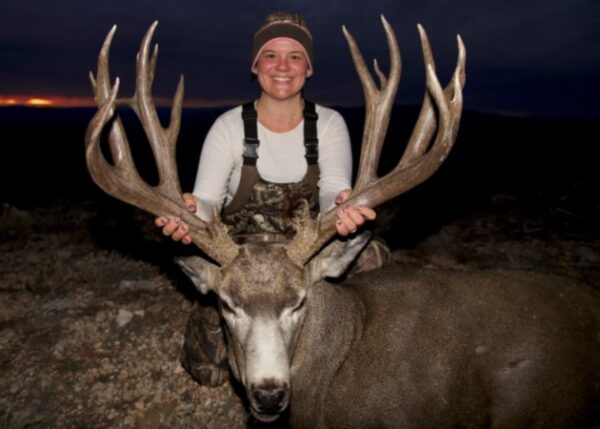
{"x": 59, "y": 347}
{"x": 13, "y": 219}
{"x": 137, "y": 285}
{"x": 124, "y": 317}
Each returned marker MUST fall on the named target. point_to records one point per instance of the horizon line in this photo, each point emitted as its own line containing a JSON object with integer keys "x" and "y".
{"x": 59, "y": 101}
{"x": 52, "y": 101}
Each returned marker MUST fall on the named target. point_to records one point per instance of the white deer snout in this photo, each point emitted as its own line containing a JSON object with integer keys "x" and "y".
{"x": 267, "y": 369}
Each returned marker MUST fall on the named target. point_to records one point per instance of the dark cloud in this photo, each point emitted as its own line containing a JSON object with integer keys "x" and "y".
{"x": 519, "y": 52}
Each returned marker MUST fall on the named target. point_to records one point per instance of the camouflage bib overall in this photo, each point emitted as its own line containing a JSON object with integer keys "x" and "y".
{"x": 263, "y": 207}
{"x": 271, "y": 207}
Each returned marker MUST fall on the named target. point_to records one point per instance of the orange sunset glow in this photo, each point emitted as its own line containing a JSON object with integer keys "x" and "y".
{"x": 45, "y": 101}
{"x": 61, "y": 101}
{"x": 39, "y": 102}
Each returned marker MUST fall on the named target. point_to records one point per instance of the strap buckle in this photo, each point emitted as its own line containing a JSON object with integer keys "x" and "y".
{"x": 251, "y": 147}
{"x": 311, "y": 150}
{"x": 311, "y": 147}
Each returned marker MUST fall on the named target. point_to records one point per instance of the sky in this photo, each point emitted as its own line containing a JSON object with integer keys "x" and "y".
{"x": 524, "y": 57}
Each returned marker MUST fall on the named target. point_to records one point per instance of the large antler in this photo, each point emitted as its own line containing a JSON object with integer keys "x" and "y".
{"x": 420, "y": 160}
{"x": 121, "y": 179}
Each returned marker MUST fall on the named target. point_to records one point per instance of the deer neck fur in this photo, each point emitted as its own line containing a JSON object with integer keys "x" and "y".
{"x": 334, "y": 322}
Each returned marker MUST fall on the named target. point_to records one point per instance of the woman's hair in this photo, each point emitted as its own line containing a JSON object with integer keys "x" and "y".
{"x": 283, "y": 16}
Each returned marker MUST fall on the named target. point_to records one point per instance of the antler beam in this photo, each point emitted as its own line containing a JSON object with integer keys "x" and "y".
{"x": 420, "y": 160}
{"x": 121, "y": 178}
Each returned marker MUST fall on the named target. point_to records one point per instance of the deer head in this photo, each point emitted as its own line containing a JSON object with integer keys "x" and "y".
{"x": 263, "y": 297}
{"x": 264, "y": 287}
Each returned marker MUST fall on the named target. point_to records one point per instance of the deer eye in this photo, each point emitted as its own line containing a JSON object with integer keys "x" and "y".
{"x": 300, "y": 305}
{"x": 226, "y": 308}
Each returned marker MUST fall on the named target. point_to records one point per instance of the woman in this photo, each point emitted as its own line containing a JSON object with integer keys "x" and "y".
{"x": 261, "y": 161}
{"x": 282, "y": 61}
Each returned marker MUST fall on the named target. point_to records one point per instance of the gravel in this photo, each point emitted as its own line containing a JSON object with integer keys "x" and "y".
{"x": 92, "y": 315}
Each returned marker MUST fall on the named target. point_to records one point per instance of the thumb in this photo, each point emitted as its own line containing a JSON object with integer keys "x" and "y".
{"x": 190, "y": 202}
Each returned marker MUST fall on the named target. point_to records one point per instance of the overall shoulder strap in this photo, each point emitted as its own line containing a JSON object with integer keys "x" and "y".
{"x": 251, "y": 141}
{"x": 311, "y": 143}
{"x": 249, "y": 175}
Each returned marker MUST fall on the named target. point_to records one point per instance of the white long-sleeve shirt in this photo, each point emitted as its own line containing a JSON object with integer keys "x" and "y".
{"x": 280, "y": 158}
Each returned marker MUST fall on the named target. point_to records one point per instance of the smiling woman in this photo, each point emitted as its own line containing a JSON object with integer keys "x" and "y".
{"x": 262, "y": 164}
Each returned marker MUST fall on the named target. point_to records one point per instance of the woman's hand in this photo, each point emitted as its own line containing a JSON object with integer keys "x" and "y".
{"x": 350, "y": 218}
{"x": 175, "y": 228}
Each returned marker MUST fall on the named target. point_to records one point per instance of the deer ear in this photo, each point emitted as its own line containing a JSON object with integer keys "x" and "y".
{"x": 202, "y": 273}
{"x": 337, "y": 256}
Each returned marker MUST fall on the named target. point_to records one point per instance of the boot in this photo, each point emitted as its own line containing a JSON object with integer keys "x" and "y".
{"x": 204, "y": 353}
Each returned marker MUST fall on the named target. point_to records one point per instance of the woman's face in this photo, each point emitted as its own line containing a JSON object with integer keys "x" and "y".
{"x": 282, "y": 68}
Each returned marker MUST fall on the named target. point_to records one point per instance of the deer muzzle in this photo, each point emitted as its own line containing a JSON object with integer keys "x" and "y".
{"x": 269, "y": 399}
{"x": 267, "y": 378}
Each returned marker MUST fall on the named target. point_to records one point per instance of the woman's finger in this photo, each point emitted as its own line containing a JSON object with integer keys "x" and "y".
{"x": 343, "y": 196}
{"x": 180, "y": 232}
{"x": 356, "y": 216}
{"x": 341, "y": 228}
{"x": 347, "y": 220}
{"x": 171, "y": 226}
{"x": 190, "y": 202}
{"x": 367, "y": 212}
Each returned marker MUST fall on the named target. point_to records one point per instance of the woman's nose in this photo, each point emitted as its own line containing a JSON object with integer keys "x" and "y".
{"x": 283, "y": 64}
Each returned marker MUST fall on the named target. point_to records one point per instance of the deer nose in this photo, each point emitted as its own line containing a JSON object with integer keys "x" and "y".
{"x": 270, "y": 400}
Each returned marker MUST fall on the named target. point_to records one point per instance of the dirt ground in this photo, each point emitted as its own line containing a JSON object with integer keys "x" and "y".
{"x": 93, "y": 310}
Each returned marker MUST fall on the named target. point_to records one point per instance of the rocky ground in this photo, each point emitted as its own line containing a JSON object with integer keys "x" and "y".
{"x": 93, "y": 311}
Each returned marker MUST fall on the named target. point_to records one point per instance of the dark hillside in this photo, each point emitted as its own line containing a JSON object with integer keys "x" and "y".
{"x": 42, "y": 150}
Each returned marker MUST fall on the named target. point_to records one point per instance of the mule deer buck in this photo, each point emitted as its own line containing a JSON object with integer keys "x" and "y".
{"x": 394, "y": 347}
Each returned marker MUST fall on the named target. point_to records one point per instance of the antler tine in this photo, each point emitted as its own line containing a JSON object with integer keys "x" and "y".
{"x": 163, "y": 147}
{"x": 102, "y": 83}
{"x": 459, "y": 76}
{"x": 92, "y": 81}
{"x": 378, "y": 104}
{"x": 119, "y": 148}
{"x": 427, "y": 122}
{"x": 95, "y": 160}
{"x": 382, "y": 77}
{"x": 416, "y": 165}
{"x": 121, "y": 179}
{"x": 175, "y": 121}
{"x": 153, "y": 61}
{"x": 150, "y": 67}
